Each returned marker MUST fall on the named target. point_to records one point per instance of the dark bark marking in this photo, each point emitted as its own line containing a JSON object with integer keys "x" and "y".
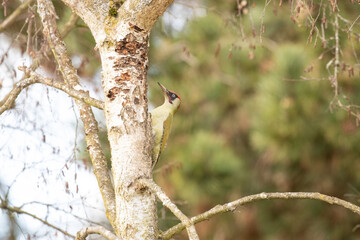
{"x": 120, "y": 80}
{"x": 136, "y": 100}
{"x": 136, "y": 28}
{"x": 141, "y": 75}
{"x": 128, "y": 45}
{"x": 113, "y": 92}
{"x": 125, "y": 62}
{"x": 132, "y": 53}
{"x": 125, "y": 76}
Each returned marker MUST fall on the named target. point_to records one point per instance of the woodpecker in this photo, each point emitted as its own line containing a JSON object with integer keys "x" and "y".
{"x": 162, "y": 118}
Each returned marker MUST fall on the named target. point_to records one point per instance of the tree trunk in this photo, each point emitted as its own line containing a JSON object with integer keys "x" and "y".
{"x": 125, "y": 65}
{"x": 122, "y": 37}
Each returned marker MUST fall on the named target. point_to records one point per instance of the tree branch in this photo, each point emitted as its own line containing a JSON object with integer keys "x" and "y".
{"x": 257, "y": 197}
{"x": 173, "y": 208}
{"x": 70, "y": 25}
{"x": 18, "y": 210}
{"x": 337, "y": 55}
{"x": 143, "y": 13}
{"x": 47, "y": 14}
{"x": 93, "y": 12}
{"x": 9, "y": 99}
{"x": 83, "y": 233}
{"x": 11, "y": 19}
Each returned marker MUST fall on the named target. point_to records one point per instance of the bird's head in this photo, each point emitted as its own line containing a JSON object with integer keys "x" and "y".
{"x": 171, "y": 98}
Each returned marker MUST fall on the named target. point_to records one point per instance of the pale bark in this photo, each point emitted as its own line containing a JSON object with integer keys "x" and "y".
{"x": 173, "y": 208}
{"x": 83, "y": 233}
{"x": 129, "y": 132}
{"x": 232, "y": 206}
{"x": 139, "y": 13}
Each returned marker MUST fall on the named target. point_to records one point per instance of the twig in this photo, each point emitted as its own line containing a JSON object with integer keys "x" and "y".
{"x": 47, "y": 14}
{"x": 257, "y": 197}
{"x": 83, "y": 233}
{"x": 267, "y": 2}
{"x": 56, "y": 208}
{"x": 185, "y": 221}
{"x": 352, "y": 25}
{"x": 313, "y": 21}
{"x": 4, "y": 205}
{"x": 31, "y": 20}
{"x": 11, "y": 19}
{"x": 348, "y": 109}
{"x": 70, "y": 25}
{"x": 302, "y": 78}
{"x": 9, "y": 99}
{"x": 337, "y": 61}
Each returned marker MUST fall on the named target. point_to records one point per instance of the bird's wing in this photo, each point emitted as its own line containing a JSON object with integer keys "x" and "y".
{"x": 166, "y": 132}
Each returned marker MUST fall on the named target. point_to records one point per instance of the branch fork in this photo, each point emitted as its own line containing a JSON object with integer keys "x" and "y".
{"x": 185, "y": 221}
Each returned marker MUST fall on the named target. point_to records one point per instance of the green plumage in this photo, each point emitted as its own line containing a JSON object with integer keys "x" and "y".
{"x": 162, "y": 117}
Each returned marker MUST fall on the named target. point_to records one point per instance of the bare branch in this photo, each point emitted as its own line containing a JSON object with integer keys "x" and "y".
{"x": 173, "y": 208}
{"x": 83, "y": 233}
{"x": 9, "y": 99}
{"x": 47, "y": 13}
{"x": 267, "y": 2}
{"x": 143, "y": 13}
{"x": 11, "y": 19}
{"x": 70, "y": 25}
{"x": 18, "y": 210}
{"x": 257, "y": 197}
{"x": 337, "y": 57}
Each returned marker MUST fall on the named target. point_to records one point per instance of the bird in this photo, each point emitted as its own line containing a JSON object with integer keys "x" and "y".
{"x": 161, "y": 119}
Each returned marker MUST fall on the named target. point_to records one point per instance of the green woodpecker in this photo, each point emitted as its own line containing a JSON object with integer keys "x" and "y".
{"x": 162, "y": 117}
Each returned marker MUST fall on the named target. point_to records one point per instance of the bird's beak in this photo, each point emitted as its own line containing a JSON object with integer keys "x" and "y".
{"x": 165, "y": 91}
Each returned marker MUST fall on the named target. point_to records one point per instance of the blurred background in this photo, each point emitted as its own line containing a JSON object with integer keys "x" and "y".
{"x": 258, "y": 113}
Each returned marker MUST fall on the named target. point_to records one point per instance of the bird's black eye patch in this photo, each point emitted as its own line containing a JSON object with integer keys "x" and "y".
{"x": 172, "y": 96}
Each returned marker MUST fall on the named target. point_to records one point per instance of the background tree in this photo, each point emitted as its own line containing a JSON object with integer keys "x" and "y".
{"x": 246, "y": 125}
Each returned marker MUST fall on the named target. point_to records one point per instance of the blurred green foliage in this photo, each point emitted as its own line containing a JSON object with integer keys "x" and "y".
{"x": 250, "y": 123}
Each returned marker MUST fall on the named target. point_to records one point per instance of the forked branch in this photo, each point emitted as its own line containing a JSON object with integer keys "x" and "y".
{"x": 257, "y": 197}
{"x": 185, "y": 221}
{"x": 83, "y": 233}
